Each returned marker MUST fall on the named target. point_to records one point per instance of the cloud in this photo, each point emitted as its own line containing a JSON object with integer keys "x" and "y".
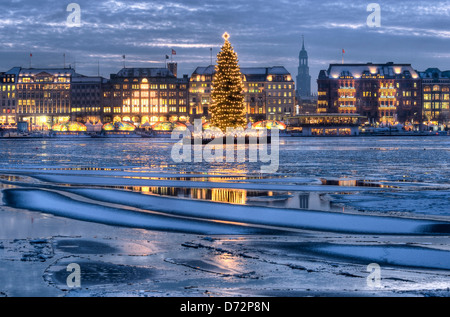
{"x": 263, "y": 32}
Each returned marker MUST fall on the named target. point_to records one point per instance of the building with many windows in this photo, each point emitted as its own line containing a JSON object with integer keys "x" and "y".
{"x": 43, "y": 96}
{"x": 141, "y": 95}
{"x": 86, "y": 98}
{"x": 384, "y": 93}
{"x": 436, "y": 96}
{"x": 269, "y": 92}
{"x": 8, "y": 84}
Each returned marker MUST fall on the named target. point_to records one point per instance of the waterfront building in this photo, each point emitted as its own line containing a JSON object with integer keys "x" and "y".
{"x": 306, "y": 105}
{"x": 384, "y": 93}
{"x": 436, "y": 96}
{"x": 43, "y": 96}
{"x": 8, "y": 84}
{"x": 325, "y": 124}
{"x": 141, "y": 95}
{"x": 86, "y": 98}
{"x": 269, "y": 92}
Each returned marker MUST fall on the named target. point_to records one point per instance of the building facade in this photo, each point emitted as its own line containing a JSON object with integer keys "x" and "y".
{"x": 269, "y": 92}
{"x": 384, "y": 93}
{"x": 43, "y": 96}
{"x": 141, "y": 95}
{"x": 8, "y": 85}
{"x": 436, "y": 96}
{"x": 86, "y": 99}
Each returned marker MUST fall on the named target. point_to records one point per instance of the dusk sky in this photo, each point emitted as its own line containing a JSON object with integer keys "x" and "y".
{"x": 263, "y": 33}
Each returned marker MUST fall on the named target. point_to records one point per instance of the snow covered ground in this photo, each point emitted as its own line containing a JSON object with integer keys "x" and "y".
{"x": 139, "y": 224}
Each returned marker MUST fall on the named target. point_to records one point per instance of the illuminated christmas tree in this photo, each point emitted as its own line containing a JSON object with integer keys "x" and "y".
{"x": 227, "y": 108}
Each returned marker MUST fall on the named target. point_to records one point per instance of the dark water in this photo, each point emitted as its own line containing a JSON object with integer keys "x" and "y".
{"x": 419, "y": 159}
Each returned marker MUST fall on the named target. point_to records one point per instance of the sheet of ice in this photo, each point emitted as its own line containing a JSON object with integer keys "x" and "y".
{"x": 278, "y": 217}
{"x": 114, "y": 173}
{"x": 111, "y": 181}
{"x": 392, "y": 255}
{"x": 59, "y": 205}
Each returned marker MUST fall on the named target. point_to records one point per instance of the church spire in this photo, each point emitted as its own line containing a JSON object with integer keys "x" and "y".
{"x": 303, "y": 77}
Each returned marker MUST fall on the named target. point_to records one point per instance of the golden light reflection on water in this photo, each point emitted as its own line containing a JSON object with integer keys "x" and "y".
{"x": 354, "y": 183}
{"x": 199, "y": 179}
{"x": 233, "y": 196}
{"x": 227, "y": 261}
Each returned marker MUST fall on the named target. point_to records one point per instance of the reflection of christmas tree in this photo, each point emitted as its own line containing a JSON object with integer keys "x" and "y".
{"x": 227, "y": 108}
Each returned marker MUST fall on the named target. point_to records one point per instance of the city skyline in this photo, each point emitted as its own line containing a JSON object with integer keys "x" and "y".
{"x": 145, "y": 32}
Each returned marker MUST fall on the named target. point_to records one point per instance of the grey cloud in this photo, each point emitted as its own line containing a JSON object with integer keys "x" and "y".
{"x": 263, "y": 32}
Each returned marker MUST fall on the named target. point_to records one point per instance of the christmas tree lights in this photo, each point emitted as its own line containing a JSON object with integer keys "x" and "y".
{"x": 227, "y": 108}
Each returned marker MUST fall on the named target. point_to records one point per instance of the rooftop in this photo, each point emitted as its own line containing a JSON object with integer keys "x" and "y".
{"x": 50, "y": 71}
{"x": 434, "y": 73}
{"x": 144, "y": 72}
{"x": 388, "y": 70}
{"x": 249, "y": 72}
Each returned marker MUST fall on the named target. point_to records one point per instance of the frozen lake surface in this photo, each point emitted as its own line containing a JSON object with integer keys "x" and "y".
{"x": 342, "y": 202}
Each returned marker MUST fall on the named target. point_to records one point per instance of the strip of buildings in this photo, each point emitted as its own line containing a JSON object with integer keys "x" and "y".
{"x": 386, "y": 93}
